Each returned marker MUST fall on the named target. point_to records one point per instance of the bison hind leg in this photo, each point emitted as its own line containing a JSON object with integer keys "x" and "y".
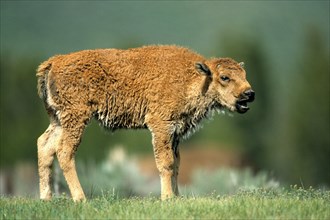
{"x": 73, "y": 123}
{"x": 46, "y": 150}
{"x": 62, "y": 138}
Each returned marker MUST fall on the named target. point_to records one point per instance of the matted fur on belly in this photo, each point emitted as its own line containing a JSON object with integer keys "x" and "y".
{"x": 115, "y": 116}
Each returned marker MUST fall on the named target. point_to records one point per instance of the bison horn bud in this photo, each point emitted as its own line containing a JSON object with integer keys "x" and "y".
{"x": 203, "y": 68}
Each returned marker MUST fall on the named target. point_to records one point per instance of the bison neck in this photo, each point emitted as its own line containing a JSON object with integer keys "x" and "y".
{"x": 190, "y": 120}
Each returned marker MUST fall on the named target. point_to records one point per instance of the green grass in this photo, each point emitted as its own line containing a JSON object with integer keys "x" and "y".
{"x": 295, "y": 203}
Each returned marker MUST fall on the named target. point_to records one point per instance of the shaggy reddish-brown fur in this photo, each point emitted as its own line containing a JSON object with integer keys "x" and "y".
{"x": 167, "y": 89}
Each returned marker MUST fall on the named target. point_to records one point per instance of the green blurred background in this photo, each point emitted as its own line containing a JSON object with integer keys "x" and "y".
{"x": 284, "y": 44}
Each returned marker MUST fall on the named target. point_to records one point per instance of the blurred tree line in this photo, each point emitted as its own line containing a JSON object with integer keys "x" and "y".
{"x": 287, "y": 134}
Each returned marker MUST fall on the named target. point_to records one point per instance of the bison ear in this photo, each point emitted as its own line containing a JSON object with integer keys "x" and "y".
{"x": 242, "y": 64}
{"x": 203, "y": 69}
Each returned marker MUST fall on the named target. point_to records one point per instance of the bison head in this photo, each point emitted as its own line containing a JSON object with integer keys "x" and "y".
{"x": 228, "y": 87}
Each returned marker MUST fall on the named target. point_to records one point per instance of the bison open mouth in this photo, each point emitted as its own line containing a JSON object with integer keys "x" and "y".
{"x": 241, "y": 106}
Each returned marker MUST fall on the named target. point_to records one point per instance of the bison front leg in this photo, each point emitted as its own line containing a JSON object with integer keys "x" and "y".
{"x": 167, "y": 160}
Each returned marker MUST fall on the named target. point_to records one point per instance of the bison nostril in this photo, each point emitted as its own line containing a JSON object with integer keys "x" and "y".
{"x": 250, "y": 93}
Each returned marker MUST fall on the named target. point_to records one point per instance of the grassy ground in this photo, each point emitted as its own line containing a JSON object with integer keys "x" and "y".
{"x": 295, "y": 203}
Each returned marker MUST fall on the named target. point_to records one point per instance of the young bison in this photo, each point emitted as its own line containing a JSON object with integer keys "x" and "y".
{"x": 167, "y": 89}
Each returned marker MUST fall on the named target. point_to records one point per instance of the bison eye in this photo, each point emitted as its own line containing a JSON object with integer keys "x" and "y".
{"x": 225, "y": 78}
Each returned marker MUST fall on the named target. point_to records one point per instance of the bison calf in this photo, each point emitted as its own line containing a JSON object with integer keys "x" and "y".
{"x": 166, "y": 89}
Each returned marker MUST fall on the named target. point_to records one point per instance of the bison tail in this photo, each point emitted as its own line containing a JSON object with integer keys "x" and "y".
{"x": 42, "y": 74}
